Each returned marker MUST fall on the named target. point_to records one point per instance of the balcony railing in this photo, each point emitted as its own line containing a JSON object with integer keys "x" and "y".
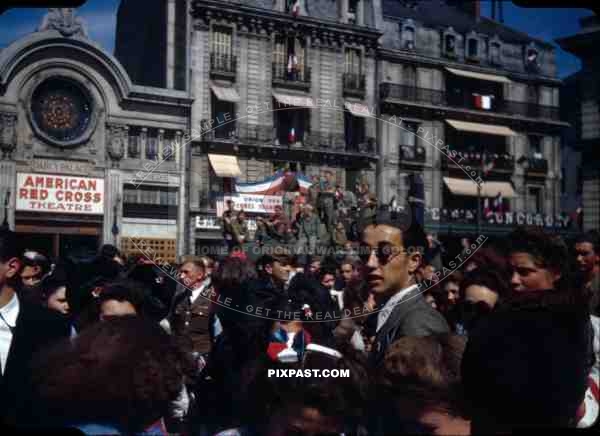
{"x": 354, "y": 84}
{"x": 436, "y": 97}
{"x": 223, "y": 64}
{"x": 294, "y": 77}
{"x": 537, "y": 165}
{"x": 412, "y": 93}
{"x": 504, "y": 162}
{"x": 412, "y": 154}
{"x": 530, "y": 110}
{"x": 265, "y": 135}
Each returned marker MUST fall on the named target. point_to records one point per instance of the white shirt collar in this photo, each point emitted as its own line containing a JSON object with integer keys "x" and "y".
{"x": 385, "y": 313}
{"x": 10, "y": 311}
{"x": 196, "y": 291}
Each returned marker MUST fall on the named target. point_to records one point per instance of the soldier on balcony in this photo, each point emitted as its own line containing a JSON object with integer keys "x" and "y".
{"x": 326, "y": 204}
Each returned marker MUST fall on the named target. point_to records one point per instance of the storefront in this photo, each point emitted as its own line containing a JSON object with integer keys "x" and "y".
{"x": 88, "y": 157}
{"x": 60, "y": 214}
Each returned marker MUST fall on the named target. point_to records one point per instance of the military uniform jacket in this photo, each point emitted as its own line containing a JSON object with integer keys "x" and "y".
{"x": 190, "y": 319}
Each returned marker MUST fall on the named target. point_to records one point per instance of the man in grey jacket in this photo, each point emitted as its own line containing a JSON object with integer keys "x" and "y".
{"x": 392, "y": 247}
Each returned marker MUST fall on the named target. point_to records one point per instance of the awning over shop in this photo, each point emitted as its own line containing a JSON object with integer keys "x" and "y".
{"x": 224, "y": 165}
{"x": 479, "y": 76}
{"x": 293, "y": 100}
{"x": 357, "y": 109}
{"x": 489, "y": 129}
{"x": 468, "y": 188}
{"x": 225, "y": 93}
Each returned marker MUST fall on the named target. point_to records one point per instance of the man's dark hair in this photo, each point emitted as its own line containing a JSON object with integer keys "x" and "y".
{"x": 592, "y": 238}
{"x": 124, "y": 290}
{"x": 109, "y": 251}
{"x": 8, "y": 245}
{"x": 413, "y": 235}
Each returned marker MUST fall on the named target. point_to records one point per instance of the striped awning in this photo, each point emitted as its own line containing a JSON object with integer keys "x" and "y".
{"x": 225, "y": 93}
{"x": 479, "y": 76}
{"x": 490, "y": 129}
{"x": 225, "y": 165}
{"x": 468, "y": 187}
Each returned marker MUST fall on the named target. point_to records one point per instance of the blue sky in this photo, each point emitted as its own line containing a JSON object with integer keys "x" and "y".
{"x": 100, "y": 16}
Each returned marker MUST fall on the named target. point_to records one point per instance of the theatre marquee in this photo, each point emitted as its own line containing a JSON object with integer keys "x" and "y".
{"x": 60, "y": 194}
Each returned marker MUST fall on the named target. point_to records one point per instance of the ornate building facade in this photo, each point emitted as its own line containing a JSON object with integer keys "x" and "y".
{"x": 88, "y": 157}
{"x": 481, "y": 127}
{"x": 399, "y": 94}
{"x": 584, "y": 102}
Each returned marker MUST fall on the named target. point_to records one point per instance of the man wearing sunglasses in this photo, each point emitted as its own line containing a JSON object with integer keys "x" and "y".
{"x": 392, "y": 246}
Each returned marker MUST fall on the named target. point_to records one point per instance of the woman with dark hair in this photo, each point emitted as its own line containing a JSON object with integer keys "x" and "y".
{"x": 481, "y": 291}
{"x": 526, "y": 364}
{"x": 116, "y": 377}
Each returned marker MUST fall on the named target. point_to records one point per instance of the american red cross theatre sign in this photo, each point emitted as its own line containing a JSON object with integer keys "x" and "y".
{"x": 60, "y": 194}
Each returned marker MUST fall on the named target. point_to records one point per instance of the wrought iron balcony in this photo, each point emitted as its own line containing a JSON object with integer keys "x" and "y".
{"x": 224, "y": 65}
{"x": 266, "y": 136}
{"x": 354, "y": 84}
{"x": 501, "y": 162}
{"x": 411, "y": 153}
{"x": 412, "y": 93}
{"x": 466, "y": 101}
{"x": 291, "y": 77}
{"x": 534, "y": 165}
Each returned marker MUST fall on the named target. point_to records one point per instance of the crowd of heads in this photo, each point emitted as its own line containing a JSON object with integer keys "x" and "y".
{"x": 515, "y": 353}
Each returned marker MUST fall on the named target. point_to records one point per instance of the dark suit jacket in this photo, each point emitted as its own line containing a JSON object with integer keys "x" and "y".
{"x": 36, "y": 328}
{"x": 411, "y": 317}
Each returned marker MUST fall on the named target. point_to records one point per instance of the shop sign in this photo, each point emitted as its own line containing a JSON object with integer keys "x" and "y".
{"x": 60, "y": 194}
{"x": 205, "y": 222}
{"x": 468, "y": 216}
{"x": 252, "y": 203}
{"x": 61, "y": 166}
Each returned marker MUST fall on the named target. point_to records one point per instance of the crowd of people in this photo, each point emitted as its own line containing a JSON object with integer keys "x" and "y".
{"x": 230, "y": 346}
{"x": 323, "y": 219}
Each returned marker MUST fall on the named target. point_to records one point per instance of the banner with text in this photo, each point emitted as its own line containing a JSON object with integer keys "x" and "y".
{"x": 60, "y": 194}
{"x": 250, "y": 203}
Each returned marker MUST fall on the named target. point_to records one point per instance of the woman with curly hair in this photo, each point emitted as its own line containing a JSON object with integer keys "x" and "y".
{"x": 116, "y": 377}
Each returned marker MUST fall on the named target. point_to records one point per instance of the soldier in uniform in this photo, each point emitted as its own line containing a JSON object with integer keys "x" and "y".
{"x": 189, "y": 318}
{"x": 326, "y": 204}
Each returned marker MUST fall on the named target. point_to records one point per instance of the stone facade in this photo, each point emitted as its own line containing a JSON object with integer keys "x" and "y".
{"x": 584, "y": 102}
{"x": 418, "y": 87}
{"x": 69, "y": 110}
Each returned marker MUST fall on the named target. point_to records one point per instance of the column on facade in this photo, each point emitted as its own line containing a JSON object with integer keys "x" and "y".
{"x": 160, "y": 139}
{"x": 143, "y": 142}
{"x": 170, "y": 29}
{"x": 113, "y": 194}
{"x": 7, "y": 184}
{"x": 519, "y": 149}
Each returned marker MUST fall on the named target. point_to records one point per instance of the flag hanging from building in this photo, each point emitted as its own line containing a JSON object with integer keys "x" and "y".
{"x": 483, "y": 101}
{"x": 488, "y": 164}
{"x": 276, "y": 183}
